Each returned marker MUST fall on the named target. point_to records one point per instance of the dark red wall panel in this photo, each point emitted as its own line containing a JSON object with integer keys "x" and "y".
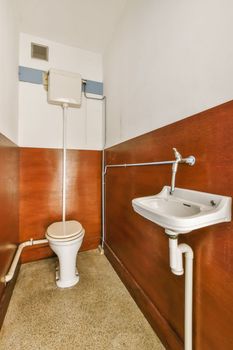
{"x": 9, "y": 198}
{"x": 41, "y": 195}
{"x": 139, "y": 249}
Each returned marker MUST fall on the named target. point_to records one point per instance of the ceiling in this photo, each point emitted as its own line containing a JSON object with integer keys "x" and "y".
{"x": 87, "y": 24}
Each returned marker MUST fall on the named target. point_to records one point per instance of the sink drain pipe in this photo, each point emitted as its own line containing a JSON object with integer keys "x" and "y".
{"x": 176, "y": 252}
{"x": 7, "y": 278}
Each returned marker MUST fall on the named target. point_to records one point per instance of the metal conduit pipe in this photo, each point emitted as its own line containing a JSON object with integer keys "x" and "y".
{"x": 189, "y": 160}
{"x": 103, "y": 178}
{"x": 103, "y": 98}
{"x": 103, "y": 201}
{"x": 7, "y": 278}
{"x": 90, "y": 97}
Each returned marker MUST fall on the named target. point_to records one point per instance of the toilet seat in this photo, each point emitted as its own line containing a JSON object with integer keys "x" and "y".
{"x": 64, "y": 231}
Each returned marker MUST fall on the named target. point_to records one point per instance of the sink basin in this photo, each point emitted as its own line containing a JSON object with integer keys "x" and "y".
{"x": 184, "y": 210}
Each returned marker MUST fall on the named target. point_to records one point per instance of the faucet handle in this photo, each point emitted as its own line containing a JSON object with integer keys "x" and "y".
{"x": 177, "y": 154}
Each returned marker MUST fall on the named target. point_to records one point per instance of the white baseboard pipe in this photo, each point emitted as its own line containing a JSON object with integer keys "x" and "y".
{"x": 14, "y": 263}
{"x": 176, "y": 264}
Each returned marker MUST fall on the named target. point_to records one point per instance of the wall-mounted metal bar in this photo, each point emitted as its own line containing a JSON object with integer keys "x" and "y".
{"x": 98, "y": 90}
{"x": 93, "y": 87}
{"x": 190, "y": 160}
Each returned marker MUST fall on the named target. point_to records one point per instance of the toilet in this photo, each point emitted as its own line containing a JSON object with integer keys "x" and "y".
{"x": 65, "y": 239}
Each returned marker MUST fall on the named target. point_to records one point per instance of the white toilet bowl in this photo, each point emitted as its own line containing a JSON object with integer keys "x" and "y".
{"x": 65, "y": 239}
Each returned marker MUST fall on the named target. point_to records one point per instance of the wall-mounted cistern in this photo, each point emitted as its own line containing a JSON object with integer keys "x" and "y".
{"x": 189, "y": 160}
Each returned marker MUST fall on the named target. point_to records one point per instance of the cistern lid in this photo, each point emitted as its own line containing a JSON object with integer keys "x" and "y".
{"x": 64, "y": 229}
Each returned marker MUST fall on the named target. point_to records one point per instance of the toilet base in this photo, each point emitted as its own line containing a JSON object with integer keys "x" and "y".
{"x": 66, "y": 284}
{"x": 66, "y": 251}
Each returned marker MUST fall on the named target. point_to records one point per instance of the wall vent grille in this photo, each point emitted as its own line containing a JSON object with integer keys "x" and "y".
{"x": 40, "y": 52}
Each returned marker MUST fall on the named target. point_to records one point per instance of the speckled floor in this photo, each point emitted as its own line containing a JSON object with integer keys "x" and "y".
{"x": 97, "y": 314}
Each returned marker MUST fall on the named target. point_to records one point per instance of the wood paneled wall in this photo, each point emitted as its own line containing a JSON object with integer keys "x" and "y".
{"x": 138, "y": 249}
{"x": 41, "y": 195}
{"x": 9, "y": 168}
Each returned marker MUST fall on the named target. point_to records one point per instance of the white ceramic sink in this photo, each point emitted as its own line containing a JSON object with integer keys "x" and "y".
{"x": 184, "y": 210}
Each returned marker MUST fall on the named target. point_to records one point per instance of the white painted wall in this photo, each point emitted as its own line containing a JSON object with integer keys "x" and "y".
{"x": 40, "y": 124}
{"x": 9, "y": 69}
{"x": 167, "y": 60}
{"x": 87, "y": 24}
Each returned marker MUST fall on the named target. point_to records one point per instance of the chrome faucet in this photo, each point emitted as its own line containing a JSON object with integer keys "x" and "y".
{"x": 190, "y": 160}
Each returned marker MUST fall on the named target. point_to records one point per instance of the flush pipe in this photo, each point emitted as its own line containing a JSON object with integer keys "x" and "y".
{"x": 7, "y": 278}
{"x": 176, "y": 264}
{"x": 64, "y": 109}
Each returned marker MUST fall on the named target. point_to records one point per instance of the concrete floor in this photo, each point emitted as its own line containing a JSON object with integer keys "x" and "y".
{"x": 97, "y": 314}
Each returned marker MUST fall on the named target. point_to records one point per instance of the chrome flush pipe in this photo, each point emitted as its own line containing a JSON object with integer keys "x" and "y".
{"x": 190, "y": 160}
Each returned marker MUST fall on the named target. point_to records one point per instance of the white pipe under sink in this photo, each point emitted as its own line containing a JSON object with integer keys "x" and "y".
{"x": 176, "y": 263}
{"x": 14, "y": 263}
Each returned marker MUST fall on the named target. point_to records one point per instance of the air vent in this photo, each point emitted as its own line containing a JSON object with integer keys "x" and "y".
{"x": 40, "y": 52}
